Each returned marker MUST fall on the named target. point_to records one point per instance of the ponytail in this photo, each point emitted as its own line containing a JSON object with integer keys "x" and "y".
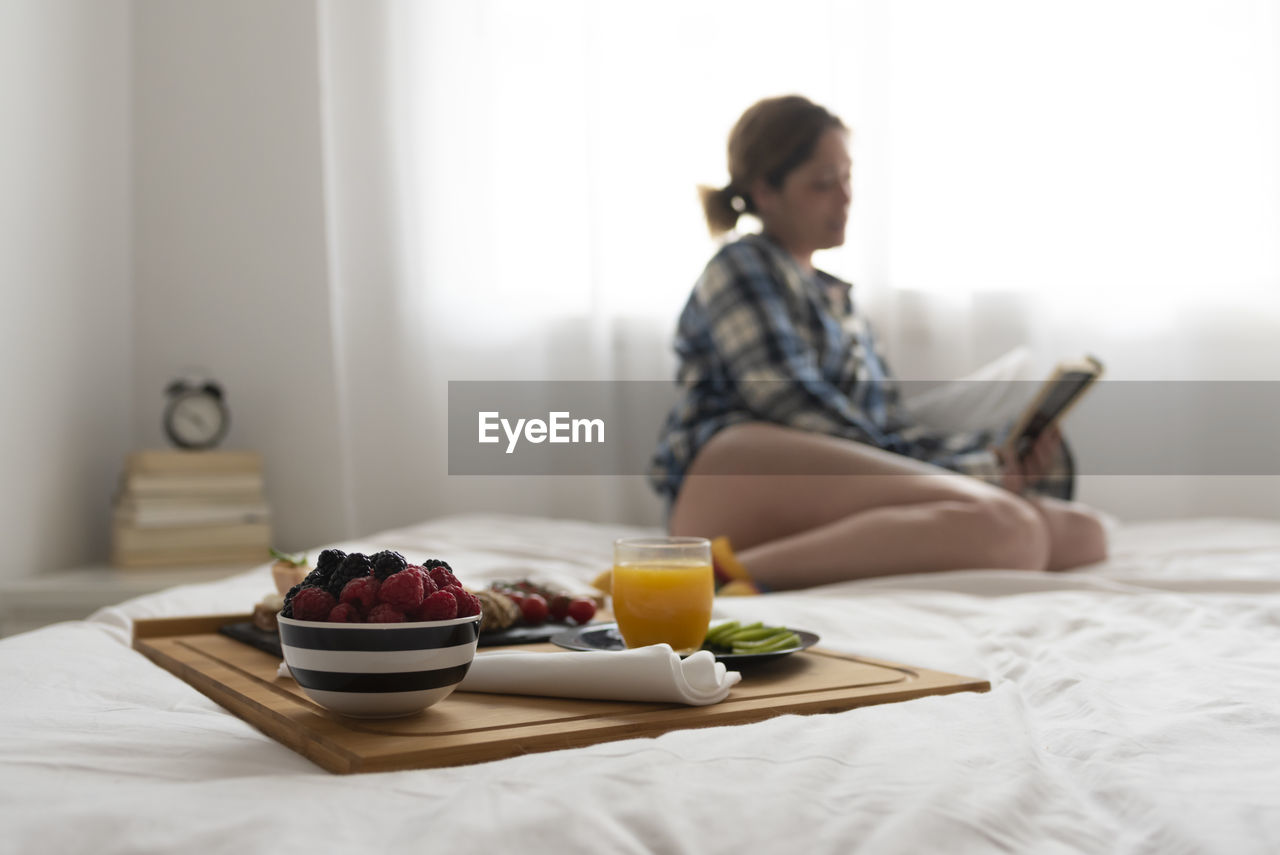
{"x": 769, "y": 140}
{"x": 721, "y": 207}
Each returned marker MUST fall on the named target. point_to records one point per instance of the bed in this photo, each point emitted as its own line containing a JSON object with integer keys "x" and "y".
{"x": 1135, "y": 707}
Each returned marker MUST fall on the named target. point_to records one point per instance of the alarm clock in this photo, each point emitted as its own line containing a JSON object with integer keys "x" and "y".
{"x": 196, "y": 416}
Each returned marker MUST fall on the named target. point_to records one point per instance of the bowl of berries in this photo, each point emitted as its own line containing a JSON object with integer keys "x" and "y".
{"x": 373, "y": 636}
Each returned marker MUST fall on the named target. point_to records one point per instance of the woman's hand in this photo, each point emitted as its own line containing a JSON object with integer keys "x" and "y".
{"x": 1017, "y": 475}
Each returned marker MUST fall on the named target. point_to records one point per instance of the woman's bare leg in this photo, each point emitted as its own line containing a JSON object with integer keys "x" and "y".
{"x": 1076, "y": 535}
{"x": 871, "y": 513}
{"x": 926, "y": 537}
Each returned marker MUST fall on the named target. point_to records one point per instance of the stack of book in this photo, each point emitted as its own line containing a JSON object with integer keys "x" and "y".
{"x": 190, "y": 507}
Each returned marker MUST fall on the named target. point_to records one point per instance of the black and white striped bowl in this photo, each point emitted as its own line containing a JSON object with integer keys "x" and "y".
{"x": 379, "y": 670}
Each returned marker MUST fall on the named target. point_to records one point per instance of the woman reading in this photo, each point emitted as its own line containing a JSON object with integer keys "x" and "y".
{"x": 788, "y": 444}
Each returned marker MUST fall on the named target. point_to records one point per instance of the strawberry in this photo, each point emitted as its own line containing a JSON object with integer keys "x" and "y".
{"x": 534, "y": 608}
{"x": 581, "y": 610}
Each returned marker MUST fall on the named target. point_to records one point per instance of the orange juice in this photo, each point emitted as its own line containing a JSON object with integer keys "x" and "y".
{"x": 667, "y": 601}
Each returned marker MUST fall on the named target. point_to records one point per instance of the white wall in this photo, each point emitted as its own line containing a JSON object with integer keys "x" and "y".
{"x": 230, "y": 243}
{"x": 65, "y": 373}
{"x": 161, "y": 209}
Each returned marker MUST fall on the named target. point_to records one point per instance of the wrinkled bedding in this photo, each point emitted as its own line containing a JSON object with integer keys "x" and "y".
{"x": 1135, "y": 707}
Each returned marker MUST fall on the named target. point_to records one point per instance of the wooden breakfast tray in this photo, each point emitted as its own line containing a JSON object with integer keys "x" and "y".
{"x": 469, "y": 727}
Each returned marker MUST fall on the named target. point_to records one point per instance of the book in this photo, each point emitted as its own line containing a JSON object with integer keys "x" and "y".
{"x": 1065, "y": 386}
{"x": 130, "y": 539}
{"x": 144, "y": 513}
{"x": 190, "y": 508}
{"x": 249, "y": 498}
{"x": 208, "y": 557}
{"x": 164, "y": 461}
{"x": 201, "y": 484}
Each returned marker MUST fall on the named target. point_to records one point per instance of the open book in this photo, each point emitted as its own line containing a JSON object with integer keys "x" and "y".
{"x": 1065, "y": 386}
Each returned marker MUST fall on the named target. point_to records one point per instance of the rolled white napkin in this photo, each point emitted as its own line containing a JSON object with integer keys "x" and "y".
{"x": 652, "y": 674}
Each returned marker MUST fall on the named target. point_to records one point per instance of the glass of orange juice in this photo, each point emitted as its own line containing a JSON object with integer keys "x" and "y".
{"x": 662, "y": 591}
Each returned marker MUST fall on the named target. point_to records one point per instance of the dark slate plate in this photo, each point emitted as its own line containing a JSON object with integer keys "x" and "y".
{"x": 251, "y": 635}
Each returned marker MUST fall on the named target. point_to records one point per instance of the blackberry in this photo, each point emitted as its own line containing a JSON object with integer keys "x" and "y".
{"x": 317, "y": 578}
{"x": 436, "y": 562}
{"x": 388, "y": 562}
{"x": 353, "y": 566}
{"x": 287, "y": 611}
{"x": 330, "y": 560}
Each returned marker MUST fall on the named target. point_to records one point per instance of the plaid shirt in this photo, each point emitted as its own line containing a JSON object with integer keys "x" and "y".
{"x": 762, "y": 340}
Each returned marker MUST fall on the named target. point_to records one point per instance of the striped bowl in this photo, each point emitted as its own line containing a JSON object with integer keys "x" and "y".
{"x": 379, "y": 670}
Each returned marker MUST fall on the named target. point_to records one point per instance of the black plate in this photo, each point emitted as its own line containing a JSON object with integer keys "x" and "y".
{"x": 251, "y": 634}
{"x": 604, "y": 636}
{"x": 521, "y": 634}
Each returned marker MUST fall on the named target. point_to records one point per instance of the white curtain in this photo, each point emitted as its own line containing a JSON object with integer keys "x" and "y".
{"x": 511, "y": 195}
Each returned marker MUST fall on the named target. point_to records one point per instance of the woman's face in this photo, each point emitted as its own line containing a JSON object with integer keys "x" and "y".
{"x": 809, "y": 212}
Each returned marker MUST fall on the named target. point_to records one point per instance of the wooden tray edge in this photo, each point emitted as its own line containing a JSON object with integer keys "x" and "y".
{"x": 436, "y": 757}
{"x": 187, "y": 625}
{"x": 338, "y": 760}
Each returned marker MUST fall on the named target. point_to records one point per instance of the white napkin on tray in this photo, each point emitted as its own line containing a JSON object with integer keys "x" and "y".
{"x": 648, "y": 674}
{"x": 654, "y": 673}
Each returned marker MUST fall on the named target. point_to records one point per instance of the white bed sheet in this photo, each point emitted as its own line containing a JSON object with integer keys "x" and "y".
{"x": 1135, "y": 708}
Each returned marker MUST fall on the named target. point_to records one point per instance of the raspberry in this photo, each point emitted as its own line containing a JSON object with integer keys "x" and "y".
{"x": 441, "y": 605}
{"x": 361, "y": 593}
{"x": 421, "y": 571}
{"x": 581, "y": 610}
{"x": 344, "y": 613}
{"x": 468, "y": 604}
{"x": 313, "y": 604}
{"x": 402, "y": 590}
{"x": 429, "y": 585}
{"x": 385, "y": 613}
{"x": 534, "y": 608}
{"x": 441, "y": 575}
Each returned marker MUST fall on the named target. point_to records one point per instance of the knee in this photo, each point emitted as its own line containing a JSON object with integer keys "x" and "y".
{"x": 1084, "y": 538}
{"x": 1017, "y": 534}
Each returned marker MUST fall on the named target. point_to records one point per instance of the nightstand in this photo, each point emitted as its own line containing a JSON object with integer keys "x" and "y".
{"x": 30, "y": 602}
